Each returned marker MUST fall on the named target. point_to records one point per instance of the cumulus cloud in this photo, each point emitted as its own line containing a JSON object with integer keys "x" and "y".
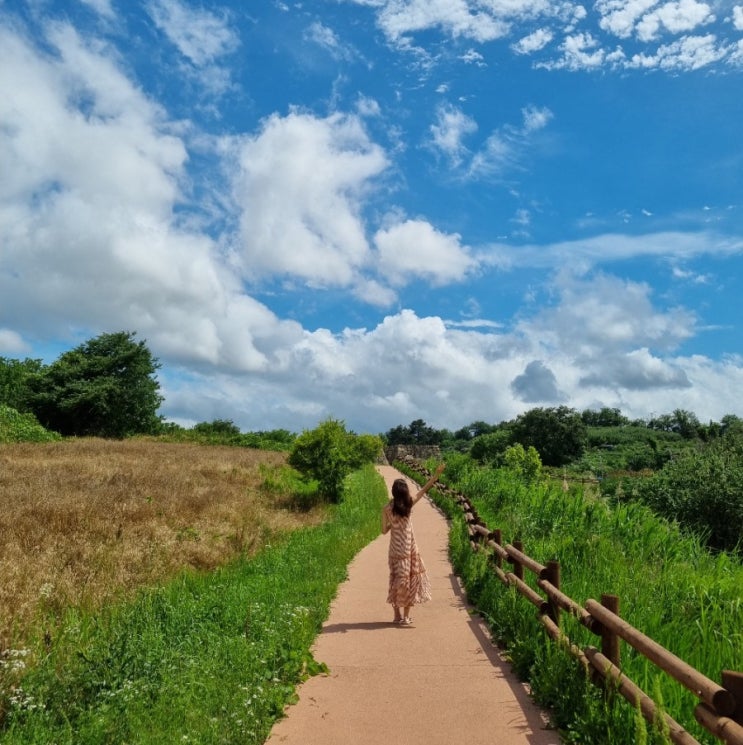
{"x": 533, "y": 42}
{"x": 537, "y": 384}
{"x": 414, "y": 249}
{"x": 299, "y": 184}
{"x": 738, "y": 17}
{"x": 95, "y": 209}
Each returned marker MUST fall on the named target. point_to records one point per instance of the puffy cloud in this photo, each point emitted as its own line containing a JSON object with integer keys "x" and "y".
{"x": 533, "y": 42}
{"x": 738, "y": 17}
{"x": 414, "y": 248}
{"x": 537, "y": 384}
{"x": 674, "y": 17}
{"x": 299, "y": 185}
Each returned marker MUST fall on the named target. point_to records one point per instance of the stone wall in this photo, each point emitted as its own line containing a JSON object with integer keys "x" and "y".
{"x": 418, "y": 452}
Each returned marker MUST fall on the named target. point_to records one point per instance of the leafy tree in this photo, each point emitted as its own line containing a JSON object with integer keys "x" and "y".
{"x": 416, "y": 433}
{"x": 14, "y": 377}
{"x": 329, "y": 453}
{"x": 218, "y": 427}
{"x": 524, "y": 462}
{"x": 105, "y": 387}
{"x": 702, "y": 489}
{"x": 488, "y": 447}
{"x": 557, "y": 434}
{"x": 605, "y": 417}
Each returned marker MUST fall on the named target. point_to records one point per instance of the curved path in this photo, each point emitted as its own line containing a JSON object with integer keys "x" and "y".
{"x": 438, "y": 682}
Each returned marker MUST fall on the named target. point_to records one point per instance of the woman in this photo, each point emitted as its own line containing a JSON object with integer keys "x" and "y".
{"x": 409, "y": 583}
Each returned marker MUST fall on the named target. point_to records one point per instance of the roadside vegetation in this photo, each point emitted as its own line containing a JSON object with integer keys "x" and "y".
{"x": 670, "y": 587}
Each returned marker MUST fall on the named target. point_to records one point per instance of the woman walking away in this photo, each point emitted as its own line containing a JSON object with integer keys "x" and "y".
{"x": 408, "y": 579}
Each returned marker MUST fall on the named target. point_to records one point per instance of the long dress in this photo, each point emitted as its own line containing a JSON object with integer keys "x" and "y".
{"x": 409, "y": 583}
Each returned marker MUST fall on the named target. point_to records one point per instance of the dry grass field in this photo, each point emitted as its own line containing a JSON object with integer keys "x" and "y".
{"x": 84, "y": 521}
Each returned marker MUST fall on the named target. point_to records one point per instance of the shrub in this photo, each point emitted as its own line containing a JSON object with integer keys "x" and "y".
{"x": 17, "y": 427}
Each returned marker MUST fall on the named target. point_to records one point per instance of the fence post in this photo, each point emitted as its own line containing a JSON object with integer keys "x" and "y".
{"x": 497, "y": 536}
{"x": 552, "y": 575}
{"x": 609, "y": 640}
{"x": 733, "y": 682}
{"x": 518, "y": 568}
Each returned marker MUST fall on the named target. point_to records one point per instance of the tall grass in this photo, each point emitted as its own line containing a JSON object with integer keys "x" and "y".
{"x": 84, "y": 521}
{"x": 669, "y": 586}
{"x": 206, "y": 658}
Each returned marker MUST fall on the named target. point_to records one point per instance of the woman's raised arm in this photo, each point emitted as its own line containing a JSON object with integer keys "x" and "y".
{"x": 424, "y": 489}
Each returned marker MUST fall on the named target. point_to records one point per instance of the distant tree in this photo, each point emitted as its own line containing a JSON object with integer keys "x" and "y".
{"x": 605, "y": 417}
{"x": 218, "y": 427}
{"x": 416, "y": 433}
{"x": 105, "y": 387}
{"x": 488, "y": 447}
{"x": 14, "y": 377}
{"x": 557, "y": 434}
{"x": 702, "y": 489}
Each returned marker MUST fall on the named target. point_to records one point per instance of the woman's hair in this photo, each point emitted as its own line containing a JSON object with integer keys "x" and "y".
{"x": 402, "y": 502}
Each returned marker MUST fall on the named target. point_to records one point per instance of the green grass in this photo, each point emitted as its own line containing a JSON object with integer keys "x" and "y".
{"x": 669, "y": 586}
{"x": 208, "y": 658}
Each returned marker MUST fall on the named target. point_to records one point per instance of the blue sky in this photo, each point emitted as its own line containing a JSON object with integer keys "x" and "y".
{"x": 380, "y": 210}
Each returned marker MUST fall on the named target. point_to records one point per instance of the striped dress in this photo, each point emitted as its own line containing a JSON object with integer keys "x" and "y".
{"x": 409, "y": 582}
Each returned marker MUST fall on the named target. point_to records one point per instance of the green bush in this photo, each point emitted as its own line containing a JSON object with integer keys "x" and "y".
{"x": 329, "y": 453}
{"x": 703, "y": 491}
{"x": 17, "y": 427}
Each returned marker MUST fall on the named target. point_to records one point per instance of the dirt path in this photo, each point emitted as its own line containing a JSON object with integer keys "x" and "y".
{"x": 437, "y": 682}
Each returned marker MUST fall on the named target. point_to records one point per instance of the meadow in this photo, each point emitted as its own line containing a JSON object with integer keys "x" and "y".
{"x": 160, "y": 592}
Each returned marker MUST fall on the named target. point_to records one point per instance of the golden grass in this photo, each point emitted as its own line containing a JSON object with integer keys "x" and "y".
{"x": 83, "y": 521}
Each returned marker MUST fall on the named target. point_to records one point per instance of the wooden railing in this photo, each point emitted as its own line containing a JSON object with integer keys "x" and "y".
{"x": 720, "y": 707}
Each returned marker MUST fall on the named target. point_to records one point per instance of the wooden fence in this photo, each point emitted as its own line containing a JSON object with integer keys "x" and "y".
{"x": 720, "y": 707}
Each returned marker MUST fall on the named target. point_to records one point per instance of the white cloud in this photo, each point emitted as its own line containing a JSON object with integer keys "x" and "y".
{"x": 12, "y": 343}
{"x": 325, "y": 37}
{"x": 674, "y": 17}
{"x": 299, "y": 185}
{"x": 102, "y": 7}
{"x": 447, "y": 134}
{"x": 92, "y": 175}
{"x": 688, "y": 53}
{"x": 506, "y": 148}
{"x": 620, "y": 17}
{"x": 201, "y": 36}
{"x": 414, "y": 248}
{"x": 456, "y": 17}
{"x": 533, "y": 42}
{"x": 738, "y": 17}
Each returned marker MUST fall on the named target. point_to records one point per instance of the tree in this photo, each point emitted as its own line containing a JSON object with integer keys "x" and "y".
{"x": 525, "y": 463}
{"x": 605, "y": 417}
{"x": 329, "y": 453}
{"x": 702, "y": 489}
{"x": 558, "y": 434}
{"x": 416, "y": 433}
{"x": 105, "y": 387}
{"x": 14, "y": 377}
{"x": 488, "y": 447}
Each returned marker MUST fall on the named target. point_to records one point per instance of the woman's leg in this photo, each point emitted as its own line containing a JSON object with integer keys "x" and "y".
{"x": 406, "y": 614}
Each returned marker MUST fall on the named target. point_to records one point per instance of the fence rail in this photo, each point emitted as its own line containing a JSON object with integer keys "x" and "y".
{"x": 720, "y": 707}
